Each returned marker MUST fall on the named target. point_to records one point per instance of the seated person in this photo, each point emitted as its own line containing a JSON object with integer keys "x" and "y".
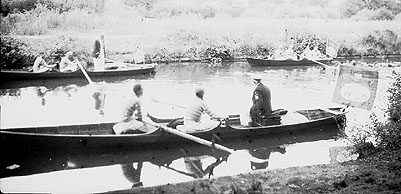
{"x": 279, "y": 54}
{"x": 134, "y": 114}
{"x": 307, "y": 53}
{"x": 261, "y": 101}
{"x": 316, "y": 54}
{"x": 40, "y": 65}
{"x": 192, "y": 118}
{"x": 66, "y": 65}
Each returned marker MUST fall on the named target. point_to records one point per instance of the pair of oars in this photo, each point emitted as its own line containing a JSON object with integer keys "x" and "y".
{"x": 188, "y": 136}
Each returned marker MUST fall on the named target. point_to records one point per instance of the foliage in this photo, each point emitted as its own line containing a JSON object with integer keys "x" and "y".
{"x": 62, "y": 45}
{"x": 301, "y": 42}
{"x": 22, "y": 6}
{"x": 13, "y": 53}
{"x": 372, "y": 10}
{"x": 378, "y": 14}
{"x": 218, "y": 52}
{"x": 20, "y": 53}
{"x": 382, "y": 135}
{"x": 382, "y": 42}
{"x": 389, "y": 132}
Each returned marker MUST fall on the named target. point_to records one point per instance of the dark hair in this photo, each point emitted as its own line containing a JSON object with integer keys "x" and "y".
{"x": 199, "y": 92}
{"x": 137, "y": 87}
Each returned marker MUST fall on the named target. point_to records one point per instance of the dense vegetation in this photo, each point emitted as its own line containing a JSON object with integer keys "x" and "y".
{"x": 382, "y": 135}
{"x": 193, "y": 29}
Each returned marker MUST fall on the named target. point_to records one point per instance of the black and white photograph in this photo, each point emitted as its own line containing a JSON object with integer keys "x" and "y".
{"x": 200, "y": 96}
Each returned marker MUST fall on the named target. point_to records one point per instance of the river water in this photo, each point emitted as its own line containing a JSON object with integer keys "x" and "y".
{"x": 228, "y": 91}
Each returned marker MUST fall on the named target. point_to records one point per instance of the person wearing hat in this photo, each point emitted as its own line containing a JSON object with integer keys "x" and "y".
{"x": 133, "y": 115}
{"x": 99, "y": 54}
{"x": 261, "y": 101}
{"x": 192, "y": 118}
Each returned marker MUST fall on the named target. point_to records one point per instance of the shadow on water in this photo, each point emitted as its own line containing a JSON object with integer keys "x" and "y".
{"x": 19, "y": 164}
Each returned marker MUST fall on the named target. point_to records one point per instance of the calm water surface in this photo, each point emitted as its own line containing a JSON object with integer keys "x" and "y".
{"x": 228, "y": 91}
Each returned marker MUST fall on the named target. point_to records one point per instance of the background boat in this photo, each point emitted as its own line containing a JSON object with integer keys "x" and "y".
{"x": 285, "y": 62}
{"x": 114, "y": 70}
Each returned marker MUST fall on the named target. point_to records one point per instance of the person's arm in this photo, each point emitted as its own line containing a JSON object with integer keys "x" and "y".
{"x": 129, "y": 109}
{"x": 208, "y": 111}
{"x": 36, "y": 64}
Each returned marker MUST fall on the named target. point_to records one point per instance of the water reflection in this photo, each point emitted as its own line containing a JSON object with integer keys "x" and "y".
{"x": 132, "y": 172}
{"x": 229, "y": 88}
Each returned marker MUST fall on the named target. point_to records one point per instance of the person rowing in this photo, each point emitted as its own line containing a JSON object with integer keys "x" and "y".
{"x": 192, "y": 118}
{"x": 134, "y": 115}
{"x": 66, "y": 65}
{"x": 40, "y": 64}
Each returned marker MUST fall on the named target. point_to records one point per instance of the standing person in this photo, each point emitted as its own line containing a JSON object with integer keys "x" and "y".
{"x": 40, "y": 64}
{"x": 99, "y": 54}
{"x": 66, "y": 65}
{"x": 261, "y": 101}
{"x": 133, "y": 114}
{"x": 192, "y": 118}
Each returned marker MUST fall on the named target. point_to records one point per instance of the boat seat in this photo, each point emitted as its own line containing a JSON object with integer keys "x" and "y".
{"x": 274, "y": 119}
{"x": 234, "y": 120}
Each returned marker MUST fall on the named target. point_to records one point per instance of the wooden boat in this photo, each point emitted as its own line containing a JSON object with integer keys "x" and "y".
{"x": 285, "y": 62}
{"x": 99, "y": 137}
{"x": 113, "y": 71}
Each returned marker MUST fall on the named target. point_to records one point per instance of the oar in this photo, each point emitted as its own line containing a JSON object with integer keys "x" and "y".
{"x": 175, "y": 105}
{"x": 318, "y": 62}
{"x": 202, "y": 141}
{"x": 85, "y": 74}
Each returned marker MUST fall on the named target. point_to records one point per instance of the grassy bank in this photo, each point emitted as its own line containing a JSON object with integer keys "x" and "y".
{"x": 194, "y": 29}
{"x": 165, "y": 40}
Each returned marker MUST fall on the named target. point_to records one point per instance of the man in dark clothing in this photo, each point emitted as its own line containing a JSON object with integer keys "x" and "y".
{"x": 99, "y": 54}
{"x": 261, "y": 100}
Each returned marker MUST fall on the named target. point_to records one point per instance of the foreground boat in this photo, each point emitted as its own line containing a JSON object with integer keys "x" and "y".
{"x": 98, "y": 137}
{"x": 114, "y": 71}
{"x": 285, "y": 62}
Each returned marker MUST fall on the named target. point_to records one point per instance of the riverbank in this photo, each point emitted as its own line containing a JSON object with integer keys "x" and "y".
{"x": 377, "y": 173}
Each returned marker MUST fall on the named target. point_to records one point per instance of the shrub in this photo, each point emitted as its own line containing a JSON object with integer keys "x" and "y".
{"x": 382, "y": 42}
{"x": 218, "y": 52}
{"x": 382, "y": 135}
{"x": 14, "y": 53}
{"x": 389, "y": 132}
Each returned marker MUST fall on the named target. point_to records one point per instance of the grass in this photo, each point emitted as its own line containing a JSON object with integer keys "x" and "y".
{"x": 183, "y": 32}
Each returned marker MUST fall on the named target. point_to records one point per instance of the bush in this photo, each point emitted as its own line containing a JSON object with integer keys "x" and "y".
{"x": 218, "y": 52}
{"x": 371, "y": 10}
{"x": 19, "y": 54}
{"x": 14, "y": 53}
{"x": 389, "y": 133}
{"x": 382, "y": 42}
{"x": 382, "y": 135}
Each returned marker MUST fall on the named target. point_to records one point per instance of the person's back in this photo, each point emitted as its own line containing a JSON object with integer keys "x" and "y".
{"x": 133, "y": 115}
{"x": 193, "y": 116}
{"x": 261, "y": 100}
{"x": 195, "y": 110}
{"x": 66, "y": 64}
{"x": 264, "y": 106}
{"x": 38, "y": 64}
